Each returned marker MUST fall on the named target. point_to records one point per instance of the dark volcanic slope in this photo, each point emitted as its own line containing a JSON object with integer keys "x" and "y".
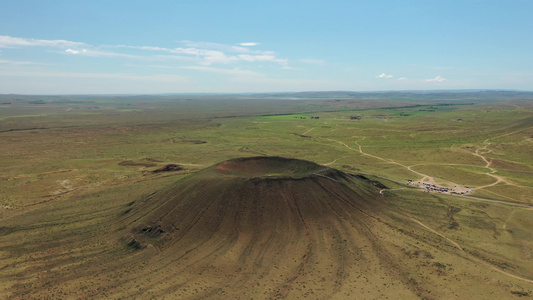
{"x": 270, "y": 222}
{"x": 271, "y": 200}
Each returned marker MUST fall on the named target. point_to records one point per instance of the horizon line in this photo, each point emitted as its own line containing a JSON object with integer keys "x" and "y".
{"x": 280, "y": 92}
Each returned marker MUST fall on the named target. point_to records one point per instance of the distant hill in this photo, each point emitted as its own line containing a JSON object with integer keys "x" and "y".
{"x": 412, "y": 96}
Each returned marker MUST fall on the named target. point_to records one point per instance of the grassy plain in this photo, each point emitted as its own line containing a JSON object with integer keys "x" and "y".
{"x": 70, "y": 165}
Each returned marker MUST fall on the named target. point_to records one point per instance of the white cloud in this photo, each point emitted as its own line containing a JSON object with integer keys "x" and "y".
{"x": 220, "y": 47}
{"x": 208, "y": 57}
{"x": 402, "y": 78}
{"x": 383, "y": 75}
{"x": 196, "y": 51}
{"x": 72, "y": 51}
{"x": 269, "y": 58}
{"x": 203, "y": 53}
{"x": 436, "y": 79}
{"x": 212, "y": 53}
{"x": 8, "y": 41}
{"x": 97, "y": 53}
{"x": 146, "y": 48}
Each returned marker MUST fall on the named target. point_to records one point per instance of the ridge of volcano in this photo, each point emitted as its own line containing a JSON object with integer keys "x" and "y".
{"x": 258, "y": 195}
{"x": 257, "y": 218}
{"x": 270, "y": 166}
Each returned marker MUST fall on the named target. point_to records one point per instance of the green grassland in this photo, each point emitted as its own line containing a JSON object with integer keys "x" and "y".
{"x": 39, "y": 150}
{"x": 68, "y": 164}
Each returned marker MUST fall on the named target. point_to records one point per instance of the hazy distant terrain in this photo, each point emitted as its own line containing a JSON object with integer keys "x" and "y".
{"x": 131, "y": 196}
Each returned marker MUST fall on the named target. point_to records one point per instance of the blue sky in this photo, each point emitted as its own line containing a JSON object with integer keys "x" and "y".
{"x": 138, "y": 47}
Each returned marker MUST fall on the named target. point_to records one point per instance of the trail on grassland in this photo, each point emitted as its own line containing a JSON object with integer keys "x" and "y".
{"x": 430, "y": 179}
{"x": 469, "y": 255}
{"x": 488, "y": 162}
{"x": 425, "y": 177}
{"x": 307, "y": 131}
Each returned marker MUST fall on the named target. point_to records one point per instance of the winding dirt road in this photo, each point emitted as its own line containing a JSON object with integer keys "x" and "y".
{"x": 427, "y": 178}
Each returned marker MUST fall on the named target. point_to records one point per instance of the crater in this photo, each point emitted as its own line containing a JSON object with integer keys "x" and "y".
{"x": 270, "y": 166}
